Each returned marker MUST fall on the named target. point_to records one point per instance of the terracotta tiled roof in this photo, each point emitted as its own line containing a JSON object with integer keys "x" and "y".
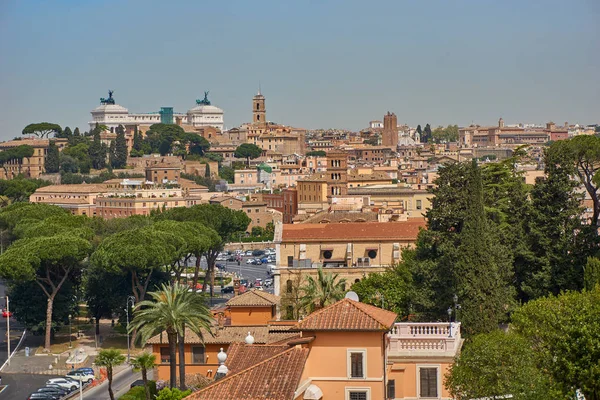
{"x": 82, "y": 188}
{"x": 275, "y": 378}
{"x": 253, "y": 298}
{"x": 353, "y": 231}
{"x": 349, "y": 315}
{"x": 225, "y": 335}
{"x": 241, "y": 356}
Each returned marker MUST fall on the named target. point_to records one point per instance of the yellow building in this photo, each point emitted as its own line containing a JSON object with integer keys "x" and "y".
{"x": 354, "y": 249}
{"x": 29, "y": 167}
{"x": 413, "y": 202}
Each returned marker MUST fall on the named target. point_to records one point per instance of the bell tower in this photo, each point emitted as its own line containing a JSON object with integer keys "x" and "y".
{"x": 259, "y": 112}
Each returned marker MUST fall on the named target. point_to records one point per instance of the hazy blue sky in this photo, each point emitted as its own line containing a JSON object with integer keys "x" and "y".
{"x": 320, "y": 63}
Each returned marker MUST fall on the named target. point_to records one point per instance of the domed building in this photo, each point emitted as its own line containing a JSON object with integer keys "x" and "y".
{"x": 112, "y": 115}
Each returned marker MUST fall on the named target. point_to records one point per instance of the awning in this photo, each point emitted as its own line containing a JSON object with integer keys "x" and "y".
{"x": 313, "y": 392}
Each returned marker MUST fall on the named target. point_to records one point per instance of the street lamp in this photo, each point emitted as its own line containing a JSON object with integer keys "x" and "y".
{"x": 456, "y": 307}
{"x": 131, "y": 300}
{"x": 449, "y": 321}
{"x": 70, "y": 332}
{"x": 7, "y": 328}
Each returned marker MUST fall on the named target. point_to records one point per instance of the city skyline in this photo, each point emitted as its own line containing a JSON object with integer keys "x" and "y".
{"x": 330, "y": 65}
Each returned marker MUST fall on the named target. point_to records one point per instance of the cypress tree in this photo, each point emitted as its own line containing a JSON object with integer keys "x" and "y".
{"x": 97, "y": 151}
{"x": 483, "y": 269}
{"x": 52, "y": 160}
{"x": 112, "y": 154}
{"x": 120, "y": 151}
{"x": 591, "y": 274}
{"x": 76, "y": 132}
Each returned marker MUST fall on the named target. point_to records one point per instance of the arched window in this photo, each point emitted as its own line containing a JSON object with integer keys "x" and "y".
{"x": 257, "y": 106}
{"x": 289, "y": 286}
{"x": 356, "y": 280}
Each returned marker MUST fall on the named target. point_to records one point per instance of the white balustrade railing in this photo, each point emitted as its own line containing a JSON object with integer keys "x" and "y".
{"x": 436, "y": 337}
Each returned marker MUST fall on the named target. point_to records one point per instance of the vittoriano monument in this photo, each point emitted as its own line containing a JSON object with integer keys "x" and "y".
{"x": 204, "y": 101}
{"x": 110, "y": 99}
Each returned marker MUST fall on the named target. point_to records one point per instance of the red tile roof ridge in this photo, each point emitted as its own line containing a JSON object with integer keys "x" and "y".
{"x": 257, "y": 365}
{"x": 366, "y": 309}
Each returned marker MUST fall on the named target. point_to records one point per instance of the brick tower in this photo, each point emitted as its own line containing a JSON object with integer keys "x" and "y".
{"x": 389, "y": 136}
{"x": 259, "y": 112}
{"x": 337, "y": 173}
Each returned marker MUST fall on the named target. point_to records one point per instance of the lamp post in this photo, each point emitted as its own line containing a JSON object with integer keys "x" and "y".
{"x": 7, "y": 328}
{"x": 131, "y": 300}
{"x": 449, "y": 321}
{"x": 70, "y": 332}
{"x": 456, "y": 307}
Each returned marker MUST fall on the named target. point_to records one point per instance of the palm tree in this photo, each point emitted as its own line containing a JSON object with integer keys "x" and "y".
{"x": 144, "y": 362}
{"x": 172, "y": 309}
{"x": 109, "y": 358}
{"x": 320, "y": 292}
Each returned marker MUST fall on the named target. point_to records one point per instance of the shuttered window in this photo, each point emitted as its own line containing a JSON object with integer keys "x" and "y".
{"x": 428, "y": 381}
{"x": 358, "y": 396}
{"x": 198, "y": 355}
{"x": 356, "y": 365}
{"x": 391, "y": 389}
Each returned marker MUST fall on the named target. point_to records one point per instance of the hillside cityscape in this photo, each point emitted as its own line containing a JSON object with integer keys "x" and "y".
{"x": 176, "y": 253}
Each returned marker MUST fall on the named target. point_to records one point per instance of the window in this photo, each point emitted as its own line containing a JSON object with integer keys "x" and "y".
{"x": 289, "y": 286}
{"x": 356, "y": 361}
{"x": 391, "y": 389}
{"x": 165, "y": 357}
{"x": 358, "y": 395}
{"x": 428, "y": 382}
{"x": 419, "y": 204}
{"x": 198, "y": 355}
{"x": 290, "y": 262}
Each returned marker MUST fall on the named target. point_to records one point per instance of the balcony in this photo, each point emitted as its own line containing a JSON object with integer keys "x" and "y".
{"x": 424, "y": 339}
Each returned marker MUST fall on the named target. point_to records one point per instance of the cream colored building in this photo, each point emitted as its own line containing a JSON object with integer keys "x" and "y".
{"x": 413, "y": 202}
{"x": 352, "y": 249}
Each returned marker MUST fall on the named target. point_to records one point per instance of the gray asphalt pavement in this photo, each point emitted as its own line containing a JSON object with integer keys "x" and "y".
{"x": 19, "y": 386}
{"x": 121, "y": 384}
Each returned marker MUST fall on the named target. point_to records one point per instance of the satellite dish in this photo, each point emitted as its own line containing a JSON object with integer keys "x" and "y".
{"x": 352, "y": 296}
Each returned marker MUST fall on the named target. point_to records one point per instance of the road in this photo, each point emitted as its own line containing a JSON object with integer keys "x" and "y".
{"x": 247, "y": 271}
{"x": 16, "y": 329}
{"x": 121, "y": 384}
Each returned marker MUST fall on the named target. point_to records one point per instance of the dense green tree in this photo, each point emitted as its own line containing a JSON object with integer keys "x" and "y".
{"x": 48, "y": 261}
{"x": 111, "y": 154}
{"x": 563, "y": 331}
{"x": 19, "y": 189}
{"x": 97, "y": 151}
{"x": 81, "y": 153}
{"x": 105, "y": 292}
{"x": 172, "y": 394}
{"x": 28, "y": 304}
{"x": 65, "y": 134}
{"x": 138, "y": 253}
{"x": 197, "y": 144}
{"x": 580, "y": 156}
{"x": 52, "y": 158}
{"x": 419, "y": 130}
{"x": 144, "y": 362}
{"x": 373, "y": 141}
{"x": 482, "y": 272}
{"x": 42, "y": 129}
{"x": 427, "y": 136}
{"x": 445, "y": 135}
{"x": 16, "y": 153}
{"x": 498, "y": 364}
{"x": 316, "y": 153}
{"x": 227, "y": 223}
{"x": 227, "y": 173}
{"x": 326, "y": 289}
{"x": 109, "y": 359}
{"x": 68, "y": 164}
{"x": 137, "y": 150}
{"x": 591, "y": 276}
{"x": 248, "y": 151}
{"x": 392, "y": 290}
{"x": 214, "y": 157}
{"x": 172, "y": 309}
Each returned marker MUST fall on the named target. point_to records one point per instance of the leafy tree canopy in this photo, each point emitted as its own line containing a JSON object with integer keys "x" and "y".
{"x": 316, "y": 153}
{"x": 248, "y": 151}
{"x": 16, "y": 153}
{"x": 42, "y": 129}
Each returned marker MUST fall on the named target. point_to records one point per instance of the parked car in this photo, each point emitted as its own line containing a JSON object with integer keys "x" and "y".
{"x": 248, "y": 253}
{"x": 227, "y": 289}
{"x": 268, "y": 282}
{"x": 81, "y": 376}
{"x": 257, "y": 253}
{"x": 86, "y": 369}
{"x": 64, "y": 383}
{"x": 258, "y": 282}
{"x": 257, "y": 261}
{"x": 44, "y": 396}
{"x": 6, "y": 314}
{"x": 54, "y": 386}
{"x": 231, "y": 259}
{"x": 59, "y": 391}
{"x": 264, "y": 260}
{"x": 220, "y": 266}
{"x": 250, "y": 261}
{"x": 244, "y": 282}
{"x": 270, "y": 268}
{"x": 139, "y": 382}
